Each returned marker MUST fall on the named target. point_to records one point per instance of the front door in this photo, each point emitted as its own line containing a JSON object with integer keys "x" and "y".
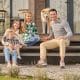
{"x": 73, "y": 13}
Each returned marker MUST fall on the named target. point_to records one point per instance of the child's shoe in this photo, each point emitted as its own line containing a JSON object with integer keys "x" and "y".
{"x": 19, "y": 57}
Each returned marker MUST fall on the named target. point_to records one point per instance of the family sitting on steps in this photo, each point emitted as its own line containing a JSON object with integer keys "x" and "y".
{"x": 27, "y": 35}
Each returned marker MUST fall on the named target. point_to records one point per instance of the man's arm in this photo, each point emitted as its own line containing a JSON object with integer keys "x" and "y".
{"x": 68, "y": 30}
{"x": 49, "y": 36}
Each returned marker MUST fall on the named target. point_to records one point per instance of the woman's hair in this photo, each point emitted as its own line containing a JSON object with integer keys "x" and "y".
{"x": 14, "y": 21}
{"x": 20, "y": 27}
{"x": 27, "y": 13}
{"x": 23, "y": 29}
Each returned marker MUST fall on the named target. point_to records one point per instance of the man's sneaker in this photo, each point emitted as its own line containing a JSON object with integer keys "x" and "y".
{"x": 62, "y": 64}
{"x": 41, "y": 64}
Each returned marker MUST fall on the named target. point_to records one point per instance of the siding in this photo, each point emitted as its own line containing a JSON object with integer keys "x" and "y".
{"x": 19, "y": 4}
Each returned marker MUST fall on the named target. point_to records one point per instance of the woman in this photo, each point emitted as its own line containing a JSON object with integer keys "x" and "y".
{"x": 30, "y": 35}
{"x": 15, "y": 29}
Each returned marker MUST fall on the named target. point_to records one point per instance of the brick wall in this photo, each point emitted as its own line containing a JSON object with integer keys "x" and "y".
{"x": 36, "y": 6}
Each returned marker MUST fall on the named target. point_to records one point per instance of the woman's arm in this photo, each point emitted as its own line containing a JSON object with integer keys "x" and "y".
{"x": 4, "y": 37}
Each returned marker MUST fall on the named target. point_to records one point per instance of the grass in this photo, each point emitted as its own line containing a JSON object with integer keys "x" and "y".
{"x": 21, "y": 78}
{"x": 14, "y": 78}
{"x": 7, "y": 78}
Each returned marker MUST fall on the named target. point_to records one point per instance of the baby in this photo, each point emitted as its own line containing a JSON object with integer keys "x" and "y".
{"x": 12, "y": 41}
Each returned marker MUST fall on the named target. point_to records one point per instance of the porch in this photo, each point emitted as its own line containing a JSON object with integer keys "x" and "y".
{"x": 30, "y": 55}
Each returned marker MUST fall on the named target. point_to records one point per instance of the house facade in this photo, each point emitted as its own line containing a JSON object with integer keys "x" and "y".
{"x": 68, "y": 9}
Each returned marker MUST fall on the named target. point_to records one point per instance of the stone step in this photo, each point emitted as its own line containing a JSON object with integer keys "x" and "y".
{"x": 36, "y": 49}
{"x": 48, "y": 54}
{"x": 32, "y": 60}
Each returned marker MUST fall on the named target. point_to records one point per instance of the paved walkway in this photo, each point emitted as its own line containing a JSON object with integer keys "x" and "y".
{"x": 52, "y": 71}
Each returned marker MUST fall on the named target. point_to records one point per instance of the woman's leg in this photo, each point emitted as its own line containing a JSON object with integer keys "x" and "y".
{"x": 7, "y": 56}
{"x": 14, "y": 58}
{"x": 36, "y": 39}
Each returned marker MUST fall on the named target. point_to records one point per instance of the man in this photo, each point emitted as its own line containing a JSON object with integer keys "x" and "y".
{"x": 62, "y": 34}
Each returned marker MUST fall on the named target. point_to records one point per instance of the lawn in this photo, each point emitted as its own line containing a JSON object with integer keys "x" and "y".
{"x": 12, "y": 78}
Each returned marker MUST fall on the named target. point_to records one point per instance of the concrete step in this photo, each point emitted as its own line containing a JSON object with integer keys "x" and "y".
{"x": 48, "y": 54}
{"x": 36, "y": 49}
{"x": 30, "y": 55}
{"x": 32, "y": 60}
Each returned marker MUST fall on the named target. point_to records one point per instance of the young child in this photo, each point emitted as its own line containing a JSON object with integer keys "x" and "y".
{"x": 12, "y": 44}
{"x": 30, "y": 35}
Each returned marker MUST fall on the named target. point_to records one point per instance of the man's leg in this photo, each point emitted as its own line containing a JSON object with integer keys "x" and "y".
{"x": 63, "y": 43}
{"x": 46, "y": 45}
{"x": 62, "y": 49}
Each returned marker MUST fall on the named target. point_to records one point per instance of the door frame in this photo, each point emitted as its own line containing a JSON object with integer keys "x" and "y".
{"x": 70, "y": 12}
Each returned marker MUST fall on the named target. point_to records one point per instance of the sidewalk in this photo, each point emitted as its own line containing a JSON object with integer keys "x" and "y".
{"x": 52, "y": 71}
